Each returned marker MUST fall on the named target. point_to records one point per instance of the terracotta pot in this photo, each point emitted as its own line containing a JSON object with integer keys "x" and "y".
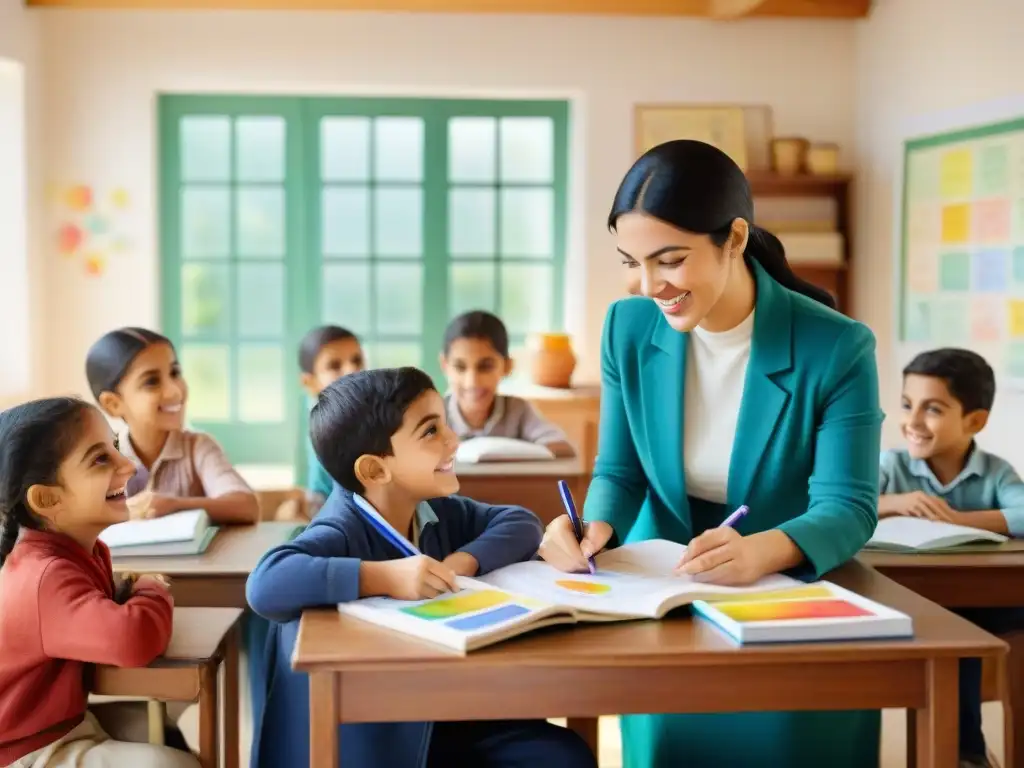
{"x": 551, "y": 360}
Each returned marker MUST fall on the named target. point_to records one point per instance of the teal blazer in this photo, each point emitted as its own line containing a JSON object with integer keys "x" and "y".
{"x": 804, "y": 459}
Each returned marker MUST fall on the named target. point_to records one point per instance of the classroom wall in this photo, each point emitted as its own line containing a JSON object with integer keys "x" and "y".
{"x": 103, "y": 70}
{"x": 22, "y": 272}
{"x": 916, "y": 59}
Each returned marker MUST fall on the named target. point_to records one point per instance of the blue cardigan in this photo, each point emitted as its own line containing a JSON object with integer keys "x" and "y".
{"x": 321, "y": 568}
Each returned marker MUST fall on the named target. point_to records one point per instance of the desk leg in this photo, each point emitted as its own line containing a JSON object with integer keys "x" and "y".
{"x": 1013, "y": 702}
{"x": 209, "y": 750}
{"x": 232, "y": 740}
{"x": 324, "y": 719}
{"x": 937, "y": 737}
{"x": 587, "y": 729}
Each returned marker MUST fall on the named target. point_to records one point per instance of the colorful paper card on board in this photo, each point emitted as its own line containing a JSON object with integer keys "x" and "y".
{"x": 949, "y": 320}
{"x": 991, "y": 270}
{"x": 956, "y": 223}
{"x": 923, "y": 178}
{"x": 923, "y": 270}
{"x": 1016, "y": 313}
{"x": 955, "y": 174}
{"x": 917, "y": 319}
{"x": 988, "y": 319}
{"x": 1018, "y": 221}
{"x": 955, "y": 271}
{"x": 991, "y": 221}
{"x": 992, "y": 170}
{"x": 1018, "y": 265}
{"x": 1015, "y": 362}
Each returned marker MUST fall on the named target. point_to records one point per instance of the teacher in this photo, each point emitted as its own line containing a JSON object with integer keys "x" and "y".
{"x": 726, "y": 381}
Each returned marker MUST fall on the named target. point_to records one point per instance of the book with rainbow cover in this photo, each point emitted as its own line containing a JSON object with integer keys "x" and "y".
{"x": 635, "y": 581}
{"x": 812, "y": 612}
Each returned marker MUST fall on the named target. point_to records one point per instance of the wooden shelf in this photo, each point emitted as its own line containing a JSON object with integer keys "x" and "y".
{"x": 769, "y": 184}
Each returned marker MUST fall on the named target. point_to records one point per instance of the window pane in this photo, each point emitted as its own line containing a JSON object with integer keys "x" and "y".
{"x": 346, "y": 296}
{"x": 345, "y": 221}
{"x": 207, "y": 370}
{"x": 261, "y": 222}
{"x": 471, "y": 221}
{"x": 471, "y": 286}
{"x": 259, "y": 148}
{"x": 205, "y": 300}
{"x": 345, "y": 149}
{"x": 399, "y": 304}
{"x": 205, "y": 148}
{"x": 472, "y": 155}
{"x": 527, "y": 222}
{"x": 398, "y": 149}
{"x": 395, "y": 354}
{"x": 205, "y": 222}
{"x": 527, "y": 149}
{"x": 526, "y": 295}
{"x": 398, "y": 221}
{"x": 261, "y": 374}
{"x": 261, "y": 289}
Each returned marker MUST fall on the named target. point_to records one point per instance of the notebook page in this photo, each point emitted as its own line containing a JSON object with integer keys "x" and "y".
{"x": 180, "y": 526}
{"x": 631, "y": 581}
{"x": 915, "y": 533}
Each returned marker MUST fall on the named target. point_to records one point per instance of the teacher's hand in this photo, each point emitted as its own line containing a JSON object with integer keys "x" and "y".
{"x": 722, "y": 556}
{"x": 560, "y": 549}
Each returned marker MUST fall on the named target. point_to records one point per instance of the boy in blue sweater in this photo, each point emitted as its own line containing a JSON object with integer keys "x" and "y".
{"x": 942, "y": 474}
{"x": 383, "y": 437}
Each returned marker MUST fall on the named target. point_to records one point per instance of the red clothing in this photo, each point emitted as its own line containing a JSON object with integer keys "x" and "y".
{"x": 57, "y": 614}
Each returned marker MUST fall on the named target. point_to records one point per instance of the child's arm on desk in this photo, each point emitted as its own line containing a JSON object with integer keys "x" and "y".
{"x": 79, "y": 622}
{"x": 534, "y": 428}
{"x": 494, "y": 536}
{"x": 1008, "y": 517}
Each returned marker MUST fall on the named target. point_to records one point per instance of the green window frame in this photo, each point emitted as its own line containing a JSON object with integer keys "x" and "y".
{"x": 490, "y": 225}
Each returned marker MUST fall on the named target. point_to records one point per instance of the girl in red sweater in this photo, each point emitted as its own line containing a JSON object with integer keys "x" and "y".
{"x": 62, "y": 483}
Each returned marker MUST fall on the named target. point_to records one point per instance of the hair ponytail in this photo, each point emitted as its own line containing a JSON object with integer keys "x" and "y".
{"x": 35, "y": 438}
{"x": 766, "y": 249}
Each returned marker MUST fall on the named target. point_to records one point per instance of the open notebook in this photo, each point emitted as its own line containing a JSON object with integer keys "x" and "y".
{"x": 912, "y": 534}
{"x": 485, "y": 449}
{"x": 181, "y": 533}
{"x": 814, "y": 612}
{"x": 634, "y": 581}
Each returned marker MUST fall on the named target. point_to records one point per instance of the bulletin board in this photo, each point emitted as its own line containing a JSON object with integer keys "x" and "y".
{"x": 962, "y": 261}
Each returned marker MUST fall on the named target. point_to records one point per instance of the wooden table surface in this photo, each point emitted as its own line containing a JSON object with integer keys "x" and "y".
{"x": 362, "y": 673}
{"x": 216, "y": 578}
{"x": 971, "y": 577}
{"x": 202, "y": 639}
{"x": 530, "y": 484}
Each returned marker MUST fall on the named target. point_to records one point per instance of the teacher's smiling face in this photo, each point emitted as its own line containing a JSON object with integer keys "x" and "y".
{"x": 685, "y": 273}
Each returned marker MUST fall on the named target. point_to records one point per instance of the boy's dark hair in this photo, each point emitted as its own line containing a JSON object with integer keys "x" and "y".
{"x": 358, "y": 414}
{"x": 968, "y": 377}
{"x": 35, "y": 438}
{"x": 317, "y": 339}
{"x": 477, "y": 325}
{"x": 109, "y": 359}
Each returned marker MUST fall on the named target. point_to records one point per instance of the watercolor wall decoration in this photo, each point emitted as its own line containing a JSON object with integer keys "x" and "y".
{"x": 91, "y": 228}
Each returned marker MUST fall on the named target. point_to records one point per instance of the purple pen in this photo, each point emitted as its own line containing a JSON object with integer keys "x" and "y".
{"x": 575, "y": 519}
{"x": 735, "y": 517}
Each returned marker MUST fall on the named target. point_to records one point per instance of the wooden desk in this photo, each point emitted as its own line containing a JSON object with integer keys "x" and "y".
{"x": 202, "y": 639}
{"x": 530, "y": 484}
{"x": 215, "y": 579}
{"x": 361, "y": 673}
{"x": 976, "y": 577}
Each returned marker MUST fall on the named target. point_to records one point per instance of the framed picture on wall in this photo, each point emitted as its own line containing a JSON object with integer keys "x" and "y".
{"x": 722, "y": 126}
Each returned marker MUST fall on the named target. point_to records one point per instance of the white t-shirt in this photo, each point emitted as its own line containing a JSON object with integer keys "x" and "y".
{"x": 716, "y": 369}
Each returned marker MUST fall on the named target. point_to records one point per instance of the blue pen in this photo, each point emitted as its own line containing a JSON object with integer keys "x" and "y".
{"x": 574, "y": 518}
{"x": 735, "y": 517}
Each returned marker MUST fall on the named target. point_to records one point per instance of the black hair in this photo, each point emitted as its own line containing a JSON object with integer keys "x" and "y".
{"x": 478, "y": 325}
{"x": 358, "y": 414}
{"x": 967, "y": 376}
{"x": 696, "y": 187}
{"x": 109, "y": 359}
{"x": 35, "y": 438}
{"x": 316, "y": 340}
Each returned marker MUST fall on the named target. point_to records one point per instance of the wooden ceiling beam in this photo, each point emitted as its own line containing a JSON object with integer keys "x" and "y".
{"x": 723, "y": 9}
